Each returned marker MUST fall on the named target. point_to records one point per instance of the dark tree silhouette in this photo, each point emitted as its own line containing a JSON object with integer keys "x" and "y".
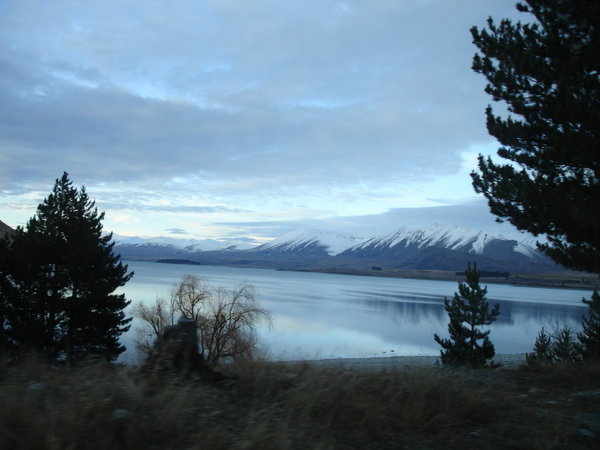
{"x": 543, "y": 352}
{"x": 589, "y": 337}
{"x": 59, "y": 275}
{"x": 468, "y": 344}
{"x": 547, "y": 74}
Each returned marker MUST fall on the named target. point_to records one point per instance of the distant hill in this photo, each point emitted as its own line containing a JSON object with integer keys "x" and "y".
{"x": 440, "y": 247}
{"x": 5, "y": 229}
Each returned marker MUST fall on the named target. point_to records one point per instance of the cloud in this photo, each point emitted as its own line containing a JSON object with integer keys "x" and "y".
{"x": 322, "y": 93}
{"x": 248, "y": 103}
{"x": 474, "y": 214}
{"x": 176, "y": 231}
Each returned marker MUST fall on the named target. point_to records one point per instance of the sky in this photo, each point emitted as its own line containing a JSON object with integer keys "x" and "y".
{"x": 226, "y": 119}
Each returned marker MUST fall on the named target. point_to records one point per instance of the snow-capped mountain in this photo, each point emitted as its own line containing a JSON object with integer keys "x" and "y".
{"x": 445, "y": 246}
{"x": 133, "y": 247}
{"x": 309, "y": 243}
{"x": 192, "y": 245}
{"x": 442, "y": 236}
{"x": 439, "y": 247}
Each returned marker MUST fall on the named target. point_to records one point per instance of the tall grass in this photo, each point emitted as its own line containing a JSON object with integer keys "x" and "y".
{"x": 269, "y": 405}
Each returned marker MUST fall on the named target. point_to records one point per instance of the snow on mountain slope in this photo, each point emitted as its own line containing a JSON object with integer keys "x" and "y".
{"x": 296, "y": 241}
{"x": 192, "y": 245}
{"x": 440, "y": 247}
{"x": 444, "y": 236}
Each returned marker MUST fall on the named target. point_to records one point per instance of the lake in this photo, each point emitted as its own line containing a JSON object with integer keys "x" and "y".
{"x": 318, "y": 315}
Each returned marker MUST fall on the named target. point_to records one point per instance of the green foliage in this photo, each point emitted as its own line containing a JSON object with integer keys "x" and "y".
{"x": 546, "y": 74}
{"x": 468, "y": 344}
{"x": 589, "y": 337}
{"x": 58, "y": 278}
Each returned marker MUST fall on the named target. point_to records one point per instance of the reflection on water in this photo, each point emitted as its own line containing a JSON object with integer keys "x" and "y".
{"x": 322, "y": 315}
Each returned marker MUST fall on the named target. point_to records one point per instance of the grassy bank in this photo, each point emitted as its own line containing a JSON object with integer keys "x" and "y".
{"x": 267, "y": 405}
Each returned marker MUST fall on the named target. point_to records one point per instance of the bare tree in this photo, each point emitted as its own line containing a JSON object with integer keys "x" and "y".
{"x": 154, "y": 320}
{"x": 226, "y": 319}
{"x": 228, "y": 330}
{"x": 189, "y": 297}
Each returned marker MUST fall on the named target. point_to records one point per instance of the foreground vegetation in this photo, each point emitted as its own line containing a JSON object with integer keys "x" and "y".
{"x": 272, "y": 405}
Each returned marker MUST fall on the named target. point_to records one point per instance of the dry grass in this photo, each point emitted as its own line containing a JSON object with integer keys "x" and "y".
{"x": 267, "y": 405}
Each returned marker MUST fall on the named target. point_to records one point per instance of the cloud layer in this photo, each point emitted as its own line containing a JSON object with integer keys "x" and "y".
{"x": 233, "y": 106}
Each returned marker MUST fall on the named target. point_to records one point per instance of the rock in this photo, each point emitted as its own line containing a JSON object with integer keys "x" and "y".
{"x": 176, "y": 352}
{"x": 176, "y": 349}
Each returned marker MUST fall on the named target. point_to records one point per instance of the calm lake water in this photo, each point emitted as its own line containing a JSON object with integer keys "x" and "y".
{"x": 324, "y": 315}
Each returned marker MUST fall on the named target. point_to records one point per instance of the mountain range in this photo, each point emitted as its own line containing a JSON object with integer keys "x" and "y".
{"x": 439, "y": 247}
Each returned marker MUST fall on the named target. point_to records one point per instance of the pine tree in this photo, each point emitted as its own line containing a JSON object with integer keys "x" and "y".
{"x": 564, "y": 346}
{"x": 546, "y": 74}
{"x": 542, "y": 350}
{"x": 468, "y": 344}
{"x": 589, "y": 337}
{"x": 62, "y": 277}
{"x": 557, "y": 347}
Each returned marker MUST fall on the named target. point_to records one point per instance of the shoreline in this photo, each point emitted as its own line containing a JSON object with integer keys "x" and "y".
{"x": 506, "y": 360}
{"x": 557, "y": 280}
{"x": 563, "y": 279}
